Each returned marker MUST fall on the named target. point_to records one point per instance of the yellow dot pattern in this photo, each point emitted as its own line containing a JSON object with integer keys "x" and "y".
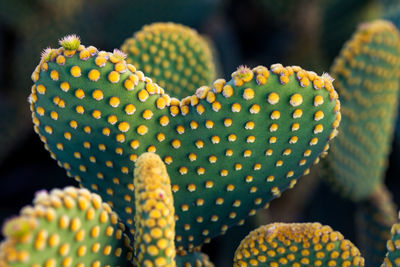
{"x": 154, "y": 218}
{"x": 366, "y": 74}
{"x": 173, "y": 55}
{"x": 296, "y": 244}
{"x": 220, "y": 139}
{"x": 65, "y": 228}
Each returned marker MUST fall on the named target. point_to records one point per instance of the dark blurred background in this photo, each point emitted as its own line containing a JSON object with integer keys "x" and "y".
{"x": 308, "y": 33}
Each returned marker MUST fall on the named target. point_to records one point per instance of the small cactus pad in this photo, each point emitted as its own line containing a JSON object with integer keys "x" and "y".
{"x": 154, "y": 219}
{"x": 70, "y": 227}
{"x": 193, "y": 259}
{"x": 229, "y": 149}
{"x": 296, "y": 244}
{"x": 174, "y": 56}
{"x": 374, "y": 218}
{"x": 393, "y": 247}
{"x": 367, "y": 78}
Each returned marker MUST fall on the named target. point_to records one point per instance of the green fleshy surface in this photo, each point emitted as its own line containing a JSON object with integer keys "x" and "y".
{"x": 367, "y": 80}
{"x": 47, "y": 252}
{"x": 118, "y": 192}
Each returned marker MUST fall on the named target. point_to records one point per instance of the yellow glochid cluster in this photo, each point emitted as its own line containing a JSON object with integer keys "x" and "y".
{"x": 296, "y": 245}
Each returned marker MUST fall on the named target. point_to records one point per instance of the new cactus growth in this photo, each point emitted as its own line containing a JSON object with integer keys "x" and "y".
{"x": 251, "y": 137}
{"x": 154, "y": 218}
{"x": 70, "y": 227}
{"x": 174, "y": 56}
{"x": 367, "y": 78}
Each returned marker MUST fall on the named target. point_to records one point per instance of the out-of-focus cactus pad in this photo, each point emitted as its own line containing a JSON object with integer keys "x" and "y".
{"x": 367, "y": 79}
{"x": 70, "y": 227}
{"x": 174, "y": 56}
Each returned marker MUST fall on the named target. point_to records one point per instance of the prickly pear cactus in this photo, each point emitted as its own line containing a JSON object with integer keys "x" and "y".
{"x": 297, "y": 244}
{"x": 174, "y": 56}
{"x": 70, "y": 227}
{"x": 75, "y": 228}
{"x": 367, "y": 78}
{"x": 229, "y": 149}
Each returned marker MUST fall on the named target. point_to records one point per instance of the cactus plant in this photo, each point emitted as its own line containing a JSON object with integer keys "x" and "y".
{"x": 70, "y": 227}
{"x": 96, "y": 114}
{"x": 100, "y": 238}
{"x": 176, "y": 57}
{"x": 230, "y": 147}
{"x": 367, "y": 78}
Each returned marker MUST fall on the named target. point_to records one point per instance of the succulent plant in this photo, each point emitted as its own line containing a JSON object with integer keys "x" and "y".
{"x": 100, "y": 239}
{"x": 70, "y": 227}
{"x": 171, "y": 157}
{"x": 75, "y": 228}
{"x": 96, "y": 114}
{"x": 367, "y": 78}
{"x": 175, "y": 57}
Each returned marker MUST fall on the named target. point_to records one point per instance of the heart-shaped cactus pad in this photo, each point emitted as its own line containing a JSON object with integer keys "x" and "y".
{"x": 229, "y": 149}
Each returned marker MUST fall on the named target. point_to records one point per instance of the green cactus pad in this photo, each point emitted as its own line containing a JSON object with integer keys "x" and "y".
{"x": 174, "y": 56}
{"x": 393, "y": 248}
{"x": 374, "y": 218}
{"x": 229, "y": 149}
{"x": 367, "y": 79}
{"x": 154, "y": 218}
{"x": 70, "y": 227}
{"x": 296, "y": 244}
